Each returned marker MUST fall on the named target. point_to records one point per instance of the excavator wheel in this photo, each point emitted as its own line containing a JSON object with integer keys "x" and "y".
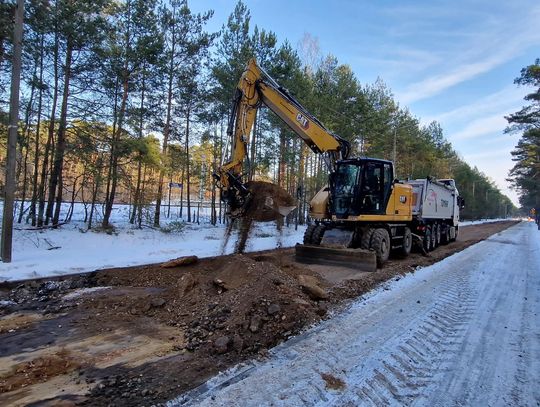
{"x": 365, "y": 240}
{"x": 308, "y": 235}
{"x": 380, "y": 243}
{"x": 317, "y": 235}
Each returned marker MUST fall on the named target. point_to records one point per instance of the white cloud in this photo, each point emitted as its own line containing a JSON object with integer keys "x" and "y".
{"x": 486, "y": 51}
{"x": 508, "y": 98}
{"x": 477, "y": 128}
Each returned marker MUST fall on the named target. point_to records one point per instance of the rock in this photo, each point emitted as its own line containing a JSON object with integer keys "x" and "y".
{"x": 254, "y": 323}
{"x": 220, "y": 284}
{"x": 238, "y": 343}
{"x": 180, "y": 261}
{"x": 310, "y": 285}
{"x": 157, "y": 302}
{"x": 322, "y": 310}
{"x": 187, "y": 283}
{"x": 273, "y": 309}
{"x": 221, "y": 344}
{"x": 145, "y": 392}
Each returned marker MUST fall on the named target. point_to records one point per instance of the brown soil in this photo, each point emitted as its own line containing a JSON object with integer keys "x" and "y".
{"x": 333, "y": 382}
{"x": 156, "y": 332}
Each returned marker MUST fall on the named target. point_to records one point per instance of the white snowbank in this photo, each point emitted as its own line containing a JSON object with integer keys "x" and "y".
{"x": 480, "y": 221}
{"x": 71, "y": 249}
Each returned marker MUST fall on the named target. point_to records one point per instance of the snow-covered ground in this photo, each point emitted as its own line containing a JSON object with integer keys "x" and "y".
{"x": 72, "y": 249}
{"x": 462, "y": 332}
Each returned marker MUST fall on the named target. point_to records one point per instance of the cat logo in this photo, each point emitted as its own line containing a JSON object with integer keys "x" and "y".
{"x": 300, "y": 118}
{"x": 402, "y": 198}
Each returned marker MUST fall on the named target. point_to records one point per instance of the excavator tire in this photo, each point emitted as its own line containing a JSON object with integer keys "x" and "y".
{"x": 317, "y": 235}
{"x": 308, "y": 234}
{"x": 365, "y": 240}
{"x": 380, "y": 243}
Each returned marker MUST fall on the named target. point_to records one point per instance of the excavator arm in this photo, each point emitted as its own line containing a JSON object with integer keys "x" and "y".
{"x": 257, "y": 88}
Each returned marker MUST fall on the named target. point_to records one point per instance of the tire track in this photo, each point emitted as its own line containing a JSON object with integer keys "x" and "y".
{"x": 414, "y": 362}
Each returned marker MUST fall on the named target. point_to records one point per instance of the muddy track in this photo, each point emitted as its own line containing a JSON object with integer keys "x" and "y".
{"x": 143, "y": 335}
{"x": 463, "y": 332}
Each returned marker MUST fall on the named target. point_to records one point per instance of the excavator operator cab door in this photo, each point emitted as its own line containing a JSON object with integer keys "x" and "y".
{"x": 361, "y": 187}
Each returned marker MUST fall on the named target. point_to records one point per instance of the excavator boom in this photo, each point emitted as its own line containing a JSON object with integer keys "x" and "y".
{"x": 257, "y": 200}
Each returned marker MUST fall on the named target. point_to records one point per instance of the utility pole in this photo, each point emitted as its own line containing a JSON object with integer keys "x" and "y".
{"x": 9, "y": 192}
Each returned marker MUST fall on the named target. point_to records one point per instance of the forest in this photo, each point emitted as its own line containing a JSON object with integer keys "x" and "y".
{"x": 128, "y": 102}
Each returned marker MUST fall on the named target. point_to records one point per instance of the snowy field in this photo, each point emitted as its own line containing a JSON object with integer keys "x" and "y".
{"x": 73, "y": 249}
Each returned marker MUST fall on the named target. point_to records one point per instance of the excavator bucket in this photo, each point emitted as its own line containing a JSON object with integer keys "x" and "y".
{"x": 357, "y": 259}
{"x": 267, "y": 202}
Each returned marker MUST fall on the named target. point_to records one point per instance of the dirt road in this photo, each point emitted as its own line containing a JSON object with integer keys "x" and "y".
{"x": 465, "y": 331}
{"x": 144, "y": 335}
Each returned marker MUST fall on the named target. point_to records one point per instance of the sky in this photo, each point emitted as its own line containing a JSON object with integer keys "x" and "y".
{"x": 450, "y": 61}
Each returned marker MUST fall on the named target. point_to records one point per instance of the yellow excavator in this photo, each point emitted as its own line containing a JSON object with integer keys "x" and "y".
{"x": 361, "y": 214}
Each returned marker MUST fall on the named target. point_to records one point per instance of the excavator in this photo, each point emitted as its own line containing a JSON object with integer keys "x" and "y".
{"x": 360, "y": 215}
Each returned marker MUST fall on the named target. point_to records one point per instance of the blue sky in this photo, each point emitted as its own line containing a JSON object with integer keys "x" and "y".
{"x": 451, "y": 61}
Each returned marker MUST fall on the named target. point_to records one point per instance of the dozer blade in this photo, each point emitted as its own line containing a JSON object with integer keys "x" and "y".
{"x": 357, "y": 259}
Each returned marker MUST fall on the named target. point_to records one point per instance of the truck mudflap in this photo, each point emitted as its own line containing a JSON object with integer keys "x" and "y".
{"x": 357, "y": 259}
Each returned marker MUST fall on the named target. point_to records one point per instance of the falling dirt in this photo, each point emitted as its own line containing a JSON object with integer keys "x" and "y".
{"x": 267, "y": 202}
{"x": 143, "y": 335}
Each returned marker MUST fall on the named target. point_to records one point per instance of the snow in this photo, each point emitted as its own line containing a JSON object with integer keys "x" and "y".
{"x": 83, "y": 291}
{"x": 480, "y": 221}
{"x": 460, "y": 332}
{"x": 72, "y": 249}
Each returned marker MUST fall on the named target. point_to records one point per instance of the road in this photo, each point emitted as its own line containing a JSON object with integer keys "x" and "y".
{"x": 464, "y": 331}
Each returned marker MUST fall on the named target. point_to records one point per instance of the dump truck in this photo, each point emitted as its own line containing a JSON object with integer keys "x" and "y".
{"x": 363, "y": 212}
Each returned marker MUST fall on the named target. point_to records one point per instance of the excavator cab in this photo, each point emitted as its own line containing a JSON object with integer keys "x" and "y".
{"x": 360, "y": 186}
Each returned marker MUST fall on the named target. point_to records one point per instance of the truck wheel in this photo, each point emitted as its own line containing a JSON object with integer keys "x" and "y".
{"x": 445, "y": 235}
{"x": 317, "y": 235}
{"x": 457, "y": 233}
{"x": 433, "y": 237}
{"x": 365, "y": 240}
{"x": 406, "y": 243}
{"x": 427, "y": 239}
{"x": 308, "y": 234}
{"x": 438, "y": 235}
{"x": 380, "y": 243}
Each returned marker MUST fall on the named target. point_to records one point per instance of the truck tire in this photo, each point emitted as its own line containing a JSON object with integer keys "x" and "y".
{"x": 427, "y": 239}
{"x": 433, "y": 237}
{"x": 438, "y": 235}
{"x": 365, "y": 240}
{"x": 456, "y": 234}
{"x": 445, "y": 234}
{"x": 380, "y": 243}
{"x": 406, "y": 243}
{"x": 308, "y": 234}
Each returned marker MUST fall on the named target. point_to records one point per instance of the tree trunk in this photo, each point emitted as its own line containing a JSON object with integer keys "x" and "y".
{"x": 56, "y": 181}
{"x": 187, "y": 166}
{"x": 114, "y": 161}
{"x": 50, "y": 138}
{"x": 36, "y": 144}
